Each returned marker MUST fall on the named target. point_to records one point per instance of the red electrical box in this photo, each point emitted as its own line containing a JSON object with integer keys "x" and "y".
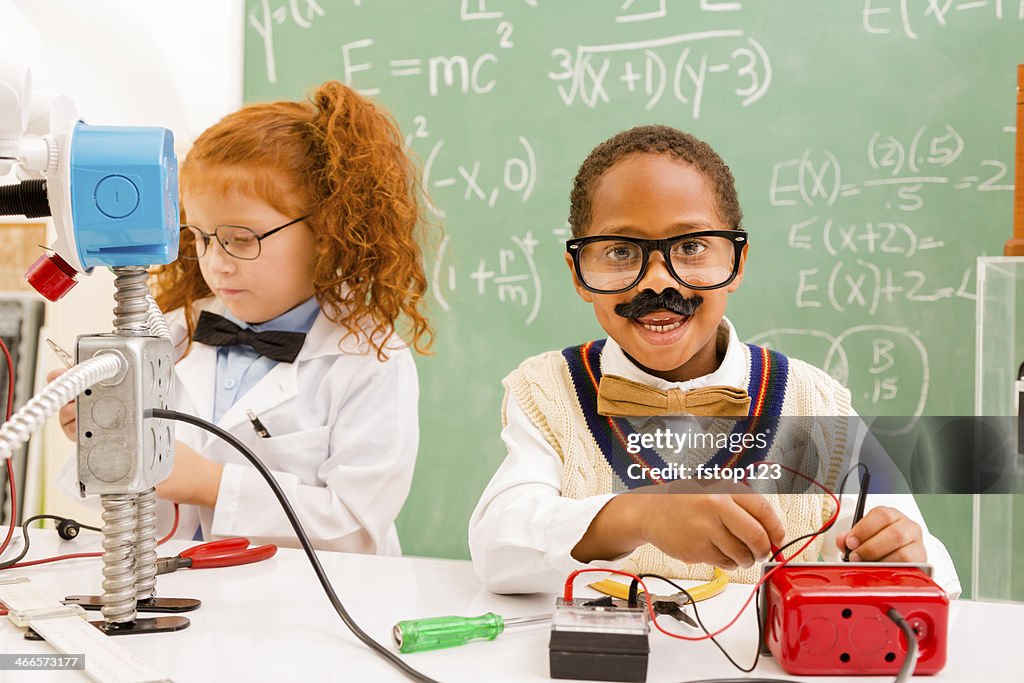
{"x": 829, "y": 619}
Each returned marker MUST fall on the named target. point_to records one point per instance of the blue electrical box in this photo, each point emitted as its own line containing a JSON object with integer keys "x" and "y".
{"x": 124, "y": 195}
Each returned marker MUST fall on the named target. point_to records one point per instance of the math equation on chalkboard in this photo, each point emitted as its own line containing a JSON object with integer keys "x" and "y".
{"x": 871, "y": 142}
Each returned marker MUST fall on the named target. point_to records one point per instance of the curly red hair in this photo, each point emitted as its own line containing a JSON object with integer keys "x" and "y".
{"x": 341, "y": 160}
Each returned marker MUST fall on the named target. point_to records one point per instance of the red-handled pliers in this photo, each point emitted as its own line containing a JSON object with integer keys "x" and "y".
{"x": 223, "y": 553}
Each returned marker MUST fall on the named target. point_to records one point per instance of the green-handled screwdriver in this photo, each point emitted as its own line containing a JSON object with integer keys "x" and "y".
{"x": 417, "y": 635}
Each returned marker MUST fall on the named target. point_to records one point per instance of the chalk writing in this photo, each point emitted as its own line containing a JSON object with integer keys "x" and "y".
{"x": 266, "y": 15}
{"x": 649, "y": 10}
{"x": 883, "y": 17}
{"x": 679, "y": 67}
{"x": 475, "y": 180}
{"x": 510, "y": 276}
{"x": 878, "y": 363}
{"x": 923, "y": 160}
{"x": 441, "y": 73}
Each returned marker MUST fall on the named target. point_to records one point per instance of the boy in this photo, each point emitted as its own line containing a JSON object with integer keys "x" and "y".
{"x": 658, "y": 247}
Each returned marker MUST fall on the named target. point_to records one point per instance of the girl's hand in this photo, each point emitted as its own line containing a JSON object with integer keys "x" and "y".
{"x": 884, "y": 535}
{"x": 67, "y": 416}
{"x": 194, "y": 480}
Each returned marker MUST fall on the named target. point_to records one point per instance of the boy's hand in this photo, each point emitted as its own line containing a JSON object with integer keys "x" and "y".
{"x": 884, "y": 534}
{"x": 67, "y": 417}
{"x": 727, "y": 530}
{"x": 194, "y": 479}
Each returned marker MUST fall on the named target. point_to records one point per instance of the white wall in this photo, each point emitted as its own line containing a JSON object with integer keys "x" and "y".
{"x": 171, "y": 63}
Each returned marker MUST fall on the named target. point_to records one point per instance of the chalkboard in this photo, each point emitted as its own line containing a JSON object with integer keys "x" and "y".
{"x": 871, "y": 141}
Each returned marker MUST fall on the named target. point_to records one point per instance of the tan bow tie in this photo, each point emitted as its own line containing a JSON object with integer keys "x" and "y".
{"x": 621, "y": 397}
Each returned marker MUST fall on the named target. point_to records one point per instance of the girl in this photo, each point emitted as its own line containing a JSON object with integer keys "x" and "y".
{"x": 298, "y": 259}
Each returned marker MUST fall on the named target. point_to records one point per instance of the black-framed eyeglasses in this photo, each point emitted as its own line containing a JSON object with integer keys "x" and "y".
{"x": 610, "y": 264}
{"x": 238, "y": 241}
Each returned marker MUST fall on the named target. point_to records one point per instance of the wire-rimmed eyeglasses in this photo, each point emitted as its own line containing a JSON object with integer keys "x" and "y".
{"x": 237, "y": 240}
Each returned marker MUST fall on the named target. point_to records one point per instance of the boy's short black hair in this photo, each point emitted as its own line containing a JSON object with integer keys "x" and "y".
{"x": 657, "y": 140}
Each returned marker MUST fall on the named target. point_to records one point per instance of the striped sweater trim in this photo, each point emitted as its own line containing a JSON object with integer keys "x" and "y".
{"x": 768, "y": 371}
{"x": 611, "y": 434}
{"x": 766, "y": 386}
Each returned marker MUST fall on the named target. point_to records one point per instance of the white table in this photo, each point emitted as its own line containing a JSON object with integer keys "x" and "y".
{"x": 272, "y": 622}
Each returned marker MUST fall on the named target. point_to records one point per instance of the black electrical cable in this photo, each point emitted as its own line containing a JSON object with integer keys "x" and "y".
{"x": 24, "y": 534}
{"x": 842, "y": 487}
{"x": 696, "y": 613}
{"x": 757, "y": 597}
{"x": 27, "y": 198}
{"x": 907, "y": 670}
{"x": 299, "y": 532}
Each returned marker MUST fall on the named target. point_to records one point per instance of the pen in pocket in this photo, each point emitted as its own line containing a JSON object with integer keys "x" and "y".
{"x": 257, "y": 425}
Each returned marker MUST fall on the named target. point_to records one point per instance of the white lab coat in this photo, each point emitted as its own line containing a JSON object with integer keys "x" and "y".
{"x": 344, "y": 435}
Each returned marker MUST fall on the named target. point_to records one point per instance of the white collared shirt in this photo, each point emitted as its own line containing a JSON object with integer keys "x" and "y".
{"x": 240, "y": 367}
{"x": 522, "y": 532}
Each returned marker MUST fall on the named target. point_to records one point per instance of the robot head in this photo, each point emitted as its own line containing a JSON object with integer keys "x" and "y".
{"x": 112, "y": 190}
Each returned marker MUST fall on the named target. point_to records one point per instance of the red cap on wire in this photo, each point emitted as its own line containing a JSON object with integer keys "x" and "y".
{"x": 51, "y": 276}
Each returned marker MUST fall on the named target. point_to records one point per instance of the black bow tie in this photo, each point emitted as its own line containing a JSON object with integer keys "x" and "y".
{"x": 216, "y": 330}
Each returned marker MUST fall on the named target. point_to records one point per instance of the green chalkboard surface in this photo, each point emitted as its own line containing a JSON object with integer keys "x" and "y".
{"x": 871, "y": 142}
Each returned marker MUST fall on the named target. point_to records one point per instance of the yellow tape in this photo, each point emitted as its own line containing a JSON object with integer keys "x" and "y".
{"x": 620, "y": 590}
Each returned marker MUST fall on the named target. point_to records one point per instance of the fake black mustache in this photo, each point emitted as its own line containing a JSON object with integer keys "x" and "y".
{"x": 648, "y": 302}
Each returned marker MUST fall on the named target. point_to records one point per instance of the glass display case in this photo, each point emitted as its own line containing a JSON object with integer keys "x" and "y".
{"x": 998, "y": 519}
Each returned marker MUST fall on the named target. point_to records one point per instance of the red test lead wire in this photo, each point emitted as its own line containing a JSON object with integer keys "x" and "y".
{"x": 10, "y": 466}
{"x": 45, "y": 560}
{"x": 14, "y": 492}
{"x": 768, "y": 574}
{"x": 568, "y": 590}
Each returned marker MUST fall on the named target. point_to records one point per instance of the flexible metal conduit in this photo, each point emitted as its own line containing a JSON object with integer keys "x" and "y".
{"x": 24, "y": 423}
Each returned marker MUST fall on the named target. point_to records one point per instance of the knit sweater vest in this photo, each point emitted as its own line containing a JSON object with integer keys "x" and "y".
{"x": 557, "y": 391}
